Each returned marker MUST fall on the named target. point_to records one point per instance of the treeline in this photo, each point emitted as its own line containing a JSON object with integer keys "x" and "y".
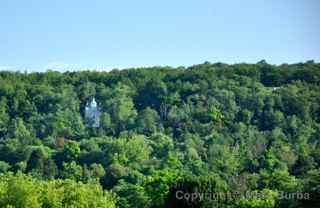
{"x": 210, "y": 128}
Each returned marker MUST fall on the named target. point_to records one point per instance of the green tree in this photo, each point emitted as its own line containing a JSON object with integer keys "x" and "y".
{"x": 72, "y": 171}
{"x": 131, "y": 195}
{"x": 121, "y": 108}
{"x": 148, "y": 122}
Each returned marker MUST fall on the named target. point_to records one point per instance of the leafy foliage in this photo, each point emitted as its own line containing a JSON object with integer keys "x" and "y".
{"x": 206, "y": 128}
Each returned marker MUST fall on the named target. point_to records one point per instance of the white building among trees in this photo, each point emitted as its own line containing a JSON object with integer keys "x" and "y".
{"x": 92, "y": 114}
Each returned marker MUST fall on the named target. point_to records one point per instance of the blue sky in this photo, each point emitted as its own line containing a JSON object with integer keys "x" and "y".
{"x": 103, "y": 34}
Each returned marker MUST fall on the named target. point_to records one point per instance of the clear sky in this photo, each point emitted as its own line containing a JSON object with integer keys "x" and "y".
{"x": 60, "y": 34}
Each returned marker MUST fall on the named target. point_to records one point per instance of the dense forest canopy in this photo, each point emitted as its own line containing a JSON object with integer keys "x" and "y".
{"x": 208, "y": 128}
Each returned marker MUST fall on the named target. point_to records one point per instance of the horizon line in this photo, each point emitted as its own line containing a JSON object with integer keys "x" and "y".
{"x": 62, "y": 67}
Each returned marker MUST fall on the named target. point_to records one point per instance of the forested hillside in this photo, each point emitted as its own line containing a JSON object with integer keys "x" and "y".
{"x": 165, "y": 133}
